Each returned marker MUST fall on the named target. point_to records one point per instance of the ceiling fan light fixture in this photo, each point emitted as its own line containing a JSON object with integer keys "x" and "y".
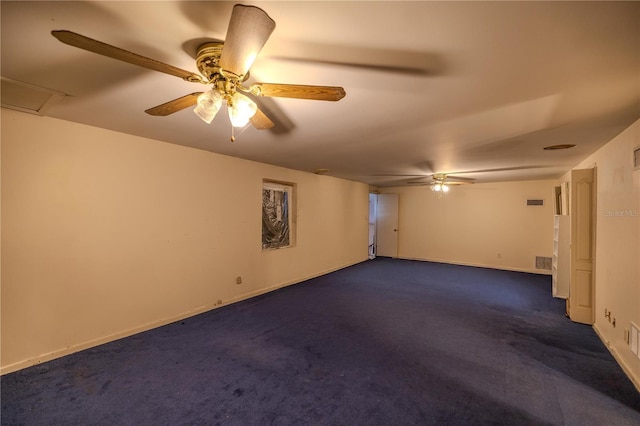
{"x": 208, "y": 105}
{"x": 241, "y": 109}
{"x": 223, "y": 65}
{"x": 440, "y": 187}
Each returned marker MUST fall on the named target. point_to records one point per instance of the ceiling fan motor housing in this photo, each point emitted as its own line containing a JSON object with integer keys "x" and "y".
{"x": 208, "y": 59}
{"x": 208, "y": 63}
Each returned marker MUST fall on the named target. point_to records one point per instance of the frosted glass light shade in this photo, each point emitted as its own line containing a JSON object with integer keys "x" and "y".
{"x": 241, "y": 109}
{"x": 208, "y": 105}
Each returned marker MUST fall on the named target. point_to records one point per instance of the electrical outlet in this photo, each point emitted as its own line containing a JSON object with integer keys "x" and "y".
{"x": 238, "y": 279}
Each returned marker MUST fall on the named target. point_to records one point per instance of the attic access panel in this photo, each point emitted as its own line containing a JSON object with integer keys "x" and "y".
{"x": 28, "y": 98}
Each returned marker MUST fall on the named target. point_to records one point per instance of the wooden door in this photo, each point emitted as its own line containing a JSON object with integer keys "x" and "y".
{"x": 582, "y": 286}
{"x": 387, "y": 225}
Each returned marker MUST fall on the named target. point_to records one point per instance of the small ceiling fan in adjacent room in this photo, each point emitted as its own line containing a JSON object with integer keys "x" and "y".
{"x": 224, "y": 66}
{"x": 441, "y": 182}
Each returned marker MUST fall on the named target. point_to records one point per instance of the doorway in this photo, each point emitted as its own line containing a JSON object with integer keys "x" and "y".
{"x": 386, "y": 229}
{"x": 373, "y": 200}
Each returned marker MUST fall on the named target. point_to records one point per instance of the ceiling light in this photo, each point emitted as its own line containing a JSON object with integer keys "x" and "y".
{"x": 208, "y": 105}
{"x": 241, "y": 109}
{"x": 440, "y": 187}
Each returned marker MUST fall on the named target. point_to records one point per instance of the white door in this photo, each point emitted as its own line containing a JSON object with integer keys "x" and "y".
{"x": 387, "y": 225}
{"x": 373, "y": 201}
{"x": 583, "y": 202}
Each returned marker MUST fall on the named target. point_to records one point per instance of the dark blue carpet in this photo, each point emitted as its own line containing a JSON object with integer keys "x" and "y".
{"x": 385, "y": 342}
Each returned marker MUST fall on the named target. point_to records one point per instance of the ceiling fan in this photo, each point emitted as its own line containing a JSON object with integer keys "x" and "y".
{"x": 224, "y": 66}
{"x": 440, "y": 182}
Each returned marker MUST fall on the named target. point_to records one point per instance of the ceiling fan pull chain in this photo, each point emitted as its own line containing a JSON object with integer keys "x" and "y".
{"x": 233, "y": 138}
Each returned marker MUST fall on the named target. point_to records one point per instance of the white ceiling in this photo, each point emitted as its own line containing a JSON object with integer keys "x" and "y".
{"x": 506, "y": 80}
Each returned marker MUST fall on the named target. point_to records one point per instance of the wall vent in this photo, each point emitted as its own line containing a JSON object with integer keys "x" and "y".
{"x": 535, "y": 202}
{"x": 543, "y": 263}
{"x": 28, "y": 98}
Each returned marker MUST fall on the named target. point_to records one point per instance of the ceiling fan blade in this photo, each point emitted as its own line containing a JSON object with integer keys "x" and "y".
{"x": 260, "y": 121}
{"x": 282, "y": 122}
{"x": 298, "y": 91}
{"x": 174, "y": 105}
{"x": 451, "y": 178}
{"x": 433, "y": 182}
{"x": 95, "y": 46}
{"x": 400, "y": 175}
{"x": 249, "y": 29}
{"x": 380, "y": 59}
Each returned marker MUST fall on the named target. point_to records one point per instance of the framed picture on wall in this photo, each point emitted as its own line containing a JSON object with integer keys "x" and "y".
{"x": 277, "y": 215}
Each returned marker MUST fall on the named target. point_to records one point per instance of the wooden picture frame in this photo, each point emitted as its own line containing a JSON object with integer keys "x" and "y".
{"x": 277, "y": 214}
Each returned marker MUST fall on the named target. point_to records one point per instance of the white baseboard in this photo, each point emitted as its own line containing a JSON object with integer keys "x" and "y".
{"x": 614, "y": 352}
{"x": 10, "y": 368}
{"x": 480, "y": 265}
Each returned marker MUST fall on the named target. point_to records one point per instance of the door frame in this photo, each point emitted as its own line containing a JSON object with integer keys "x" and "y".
{"x": 387, "y": 208}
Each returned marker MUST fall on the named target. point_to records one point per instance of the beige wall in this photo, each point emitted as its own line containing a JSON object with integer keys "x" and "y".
{"x": 617, "y": 267}
{"x": 486, "y": 225}
{"x": 106, "y": 234}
